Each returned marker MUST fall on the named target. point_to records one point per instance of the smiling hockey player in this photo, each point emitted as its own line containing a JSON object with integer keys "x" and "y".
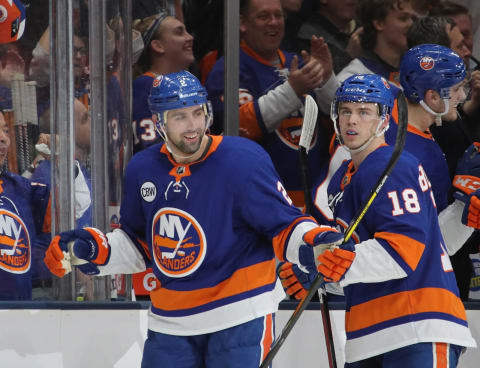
{"x": 195, "y": 209}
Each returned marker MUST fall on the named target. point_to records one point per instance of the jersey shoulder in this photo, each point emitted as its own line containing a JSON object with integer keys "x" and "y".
{"x": 143, "y": 82}
{"x": 405, "y": 169}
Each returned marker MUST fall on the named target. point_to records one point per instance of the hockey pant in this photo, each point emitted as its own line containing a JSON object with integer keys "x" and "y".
{"x": 241, "y": 346}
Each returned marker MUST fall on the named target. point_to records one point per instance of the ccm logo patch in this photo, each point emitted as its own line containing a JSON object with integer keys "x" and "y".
{"x": 148, "y": 191}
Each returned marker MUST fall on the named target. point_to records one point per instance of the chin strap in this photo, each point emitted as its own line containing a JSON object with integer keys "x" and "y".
{"x": 438, "y": 116}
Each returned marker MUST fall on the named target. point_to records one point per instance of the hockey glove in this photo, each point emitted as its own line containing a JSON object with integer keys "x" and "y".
{"x": 467, "y": 182}
{"x": 334, "y": 264}
{"x": 322, "y": 238}
{"x": 70, "y": 247}
{"x": 471, "y": 212}
{"x": 295, "y": 282}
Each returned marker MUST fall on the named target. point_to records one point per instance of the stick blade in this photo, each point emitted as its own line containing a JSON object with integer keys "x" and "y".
{"x": 309, "y": 122}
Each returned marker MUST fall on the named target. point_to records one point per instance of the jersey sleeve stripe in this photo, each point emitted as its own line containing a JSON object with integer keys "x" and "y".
{"x": 281, "y": 242}
{"x": 408, "y": 248}
{"x": 249, "y": 125}
{"x": 145, "y": 248}
{"x": 242, "y": 280}
{"x": 47, "y": 221}
{"x": 398, "y": 305}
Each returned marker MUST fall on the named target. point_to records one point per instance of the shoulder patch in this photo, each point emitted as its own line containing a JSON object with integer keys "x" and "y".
{"x": 148, "y": 191}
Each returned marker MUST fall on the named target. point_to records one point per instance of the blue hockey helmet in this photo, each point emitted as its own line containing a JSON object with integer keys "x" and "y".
{"x": 176, "y": 91}
{"x": 367, "y": 88}
{"x": 430, "y": 67}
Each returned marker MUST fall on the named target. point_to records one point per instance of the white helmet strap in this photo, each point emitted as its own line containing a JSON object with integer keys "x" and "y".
{"x": 438, "y": 116}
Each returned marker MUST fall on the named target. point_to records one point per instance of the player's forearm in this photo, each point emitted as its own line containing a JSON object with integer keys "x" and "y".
{"x": 124, "y": 256}
{"x": 277, "y": 105}
{"x": 287, "y": 243}
{"x": 454, "y": 233}
{"x": 372, "y": 264}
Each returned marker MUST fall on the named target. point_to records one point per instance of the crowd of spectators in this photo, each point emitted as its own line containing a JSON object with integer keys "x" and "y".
{"x": 289, "y": 48}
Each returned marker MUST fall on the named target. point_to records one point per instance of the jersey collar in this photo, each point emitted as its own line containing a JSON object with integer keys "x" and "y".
{"x": 215, "y": 142}
{"x": 249, "y": 51}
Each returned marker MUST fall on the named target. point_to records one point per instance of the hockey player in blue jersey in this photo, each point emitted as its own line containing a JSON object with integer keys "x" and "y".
{"x": 208, "y": 214}
{"x": 433, "y": 79}
{"x": 24, "y": 214}
{"x": 402, "y": 304}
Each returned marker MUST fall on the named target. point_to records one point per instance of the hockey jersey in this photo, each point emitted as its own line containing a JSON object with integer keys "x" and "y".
{"x": 400, "y": 289}
{"x": 207, "y": 229}
{"x": 428, "y": 152}
{"x": 24, "y": 213}
{"x": 144, "y": 133}
{"x": 371, "y": 64}
{"x": 257, "y": 78}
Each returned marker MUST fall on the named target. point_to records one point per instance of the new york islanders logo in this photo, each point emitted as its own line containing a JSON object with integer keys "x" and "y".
{"x": 290, "y": 130}
{"x": 385, "y": 83}
{"x": 427, "y": 63}
{"x": 156, "y": 82}
{"x": 178, "y": 242}
{"x": 15, "y": 250}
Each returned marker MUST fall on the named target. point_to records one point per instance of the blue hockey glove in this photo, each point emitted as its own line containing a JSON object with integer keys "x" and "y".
{"x": 322, "y": 238}
{"x": 67, "y": 248}
{"x": 295, "y": 282}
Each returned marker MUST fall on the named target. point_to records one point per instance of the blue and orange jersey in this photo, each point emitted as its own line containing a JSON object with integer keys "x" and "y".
{"x": 24, "y": 213}
{"x": 418, "y": 301}
{"x": 428, "y": 152}
{"x": 256, "y": 78}
{"x": 144, "y": 133}
{"x": 211, "y": 230}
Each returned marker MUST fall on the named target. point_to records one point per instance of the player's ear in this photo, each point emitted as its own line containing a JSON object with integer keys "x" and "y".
{"x": 432, "y": 98}
{"x": 386, "y": 121}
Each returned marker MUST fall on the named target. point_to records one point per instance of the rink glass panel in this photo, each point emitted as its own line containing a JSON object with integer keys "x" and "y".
{"x": 47, "y": 90}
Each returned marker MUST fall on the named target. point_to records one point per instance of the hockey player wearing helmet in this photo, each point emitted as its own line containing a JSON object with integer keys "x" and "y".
{"x": 194, "y": 210}
{"x": 432, "y": 76}
{"x": 358, "y": 90}
{"x": 402, "y": 303}
{"x": 182, "y": 115}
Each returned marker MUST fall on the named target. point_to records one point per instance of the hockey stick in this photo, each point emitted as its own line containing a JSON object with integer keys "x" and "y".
{"x": 308, "y": 128}
{"x": 397, "y": 150}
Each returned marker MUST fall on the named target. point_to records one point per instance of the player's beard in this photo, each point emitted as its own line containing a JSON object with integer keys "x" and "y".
{"x": 186, "y": 148}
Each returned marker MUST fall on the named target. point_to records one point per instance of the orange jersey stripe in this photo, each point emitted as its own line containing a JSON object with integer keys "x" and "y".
{"x": 409, "y": 249}
{"x": 297, "y": 197}
{"x": 402, "y": 304}
{"x": 145, "y": 249}
{"x": 441, "y": 351}
{"x": 206, "y": 64}
{"x": 279, "y": 241}
{"x": 267, "y": 336}
{"x": 395, "y": 110}
{"x": 249, "y": 127}
{"x": 244, "y": 279}
{"x": 47, "y": 220}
